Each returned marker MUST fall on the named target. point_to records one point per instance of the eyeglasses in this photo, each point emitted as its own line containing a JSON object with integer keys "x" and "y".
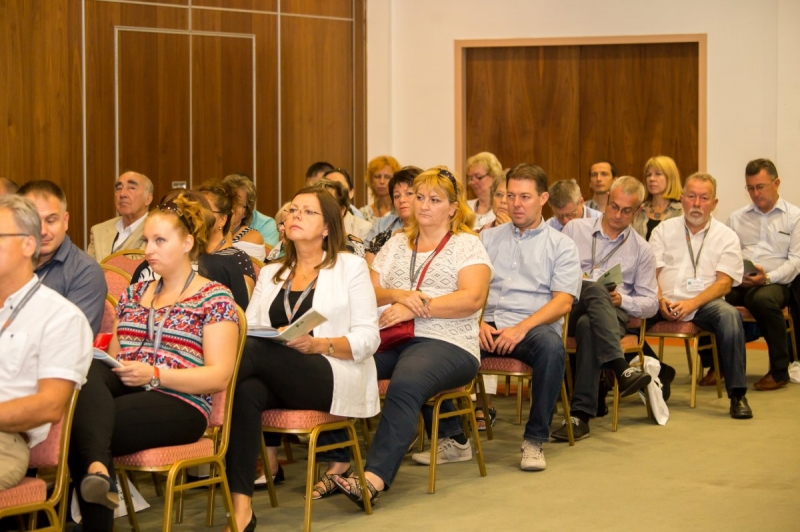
{"x": 299, "y": 213}
{"x": 446, "y": 173}
{"x": 757, "y": 188}
{"x": 174, "y": 209}
{"x": 627, "y": 211}
{"x": 476, "y": 177}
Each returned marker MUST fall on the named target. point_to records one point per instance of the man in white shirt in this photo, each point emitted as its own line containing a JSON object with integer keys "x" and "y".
{"x": 45, "y": 342}
{"x": 133, "y": 193}
{"x": 769, "y": 231}
{"x": 601, "y": 176}
{"x": 698, "y": 259}
{"x": 567, "y": 204}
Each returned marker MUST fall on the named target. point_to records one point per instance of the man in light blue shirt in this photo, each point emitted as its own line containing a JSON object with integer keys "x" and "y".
{"x": 536, "y": 279}
{"x": 567, "y": 204}
{"x": 600, "y": 318}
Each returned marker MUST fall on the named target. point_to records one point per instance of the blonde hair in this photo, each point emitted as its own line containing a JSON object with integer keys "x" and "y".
{"x": 441, "y": 179}
{"x": 489, "y": 161}
{"x": 375, "y": 165}
{"x": 190, "y": 213}
{"x": 666, "y": 166}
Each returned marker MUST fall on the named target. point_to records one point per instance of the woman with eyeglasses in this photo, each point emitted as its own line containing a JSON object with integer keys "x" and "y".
{"x": 243, "y": 236}
{"x": 482, "y": 169}
{"x": 446, "y": 307}
{"x": 379, "y": 172}
{"x": 663, "y": 200}
{"x": 175, "y": 340}
{"x": 401, "y": 189}
{"x": 329, "y": 370}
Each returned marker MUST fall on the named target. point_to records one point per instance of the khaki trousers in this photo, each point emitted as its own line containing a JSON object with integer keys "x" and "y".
{"x": 14, "y": 458}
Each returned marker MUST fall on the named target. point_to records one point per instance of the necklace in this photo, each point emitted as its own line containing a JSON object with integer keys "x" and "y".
{"x": 655, "y": 214}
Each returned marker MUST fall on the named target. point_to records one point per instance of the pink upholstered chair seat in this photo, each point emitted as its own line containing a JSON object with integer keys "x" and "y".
{"x": 634, "y": 323}
{"x": 629, "y": 341}
{"x": 674, "y": 327}
{"x": 506, "y": 364}
{"x": 748, "y": 316}
{"x": 297, "y": 419}
{"x": 29, "y": 491}
{"x": 164, "y": 456}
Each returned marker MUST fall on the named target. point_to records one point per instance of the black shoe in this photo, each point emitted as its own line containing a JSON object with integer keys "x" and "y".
{"x": 97, "y": 488}
{"x": 666, "y": 375}
{"x": 251, "y": 526}
{"x": 632, "y": 380}
{"x": 740, "y": 409}
{"x": 580, "y": 430}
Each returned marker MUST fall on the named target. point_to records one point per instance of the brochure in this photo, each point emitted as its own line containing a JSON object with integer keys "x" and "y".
{"x": 103, "y": 357}
{"x": 302, "y": 326}
{"x": 612, "y": 276}
{"x": 749, "y": 267}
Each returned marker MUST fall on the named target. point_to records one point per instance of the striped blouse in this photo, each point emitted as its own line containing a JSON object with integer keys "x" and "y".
{"x": 182, "y": 340}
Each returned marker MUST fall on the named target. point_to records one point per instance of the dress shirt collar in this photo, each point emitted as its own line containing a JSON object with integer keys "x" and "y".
{"x": 131, "y": 228}
{"x": 529, "y": 233}
{"x": 597, "y": 227}
{"x": 16, "y": 297}
{"x": 779, "y": 205}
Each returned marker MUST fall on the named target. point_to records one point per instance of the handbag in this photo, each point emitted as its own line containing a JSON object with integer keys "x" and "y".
{"x": 401, "y": 332}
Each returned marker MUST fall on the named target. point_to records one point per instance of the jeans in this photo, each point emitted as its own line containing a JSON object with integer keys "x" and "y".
{"x": 419, "y": 369}
{"x": 597, "y": 326}
{"x": 766, "y": 303}
{"x": 543, "y": 350}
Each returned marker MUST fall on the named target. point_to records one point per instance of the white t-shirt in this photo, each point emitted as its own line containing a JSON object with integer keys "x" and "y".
{"x": 49, "y": 339}
{"x": 481, "y": 219}
{"x": 464, "y": 249}
{"x": 720, "y": 253}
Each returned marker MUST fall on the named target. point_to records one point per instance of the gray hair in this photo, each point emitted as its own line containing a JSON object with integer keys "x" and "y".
{"x": 629, "y": 185}
{"x": 705, "y": 178}
{"x": 26, "y": 217}
{"x": 563, "y": 192}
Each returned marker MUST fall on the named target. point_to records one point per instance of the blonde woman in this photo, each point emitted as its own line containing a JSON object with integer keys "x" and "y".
{"x": 662, "y": 202}
{"x": 482, "y": 169}
{"x": 379, "y": 171}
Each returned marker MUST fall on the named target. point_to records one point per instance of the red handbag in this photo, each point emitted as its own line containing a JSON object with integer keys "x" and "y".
{"x": 397, "y": 334}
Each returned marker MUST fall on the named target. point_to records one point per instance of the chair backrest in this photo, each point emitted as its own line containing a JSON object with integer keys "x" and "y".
{"x": 117, "y": 280}
{"x": 222, "y": 405}
{"x": 127, "y": 260}
{"x": 109, "y": 314}
{"x": 257, "y": 265}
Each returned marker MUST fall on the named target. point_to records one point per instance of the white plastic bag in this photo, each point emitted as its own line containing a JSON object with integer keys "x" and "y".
{"x": 657, "y": 403}
{"x": 139, "y": 503}
{"x": 794, "y": 372}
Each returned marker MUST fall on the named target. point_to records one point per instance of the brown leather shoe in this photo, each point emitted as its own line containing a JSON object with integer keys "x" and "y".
{"x": 710, "y": 379}
{"x": 767, "y": 383}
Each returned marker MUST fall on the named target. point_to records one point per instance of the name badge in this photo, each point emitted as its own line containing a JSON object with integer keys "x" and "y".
{"x": 694, "y": 285}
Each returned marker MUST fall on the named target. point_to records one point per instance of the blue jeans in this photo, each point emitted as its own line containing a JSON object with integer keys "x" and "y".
{"x": 418, "y": 369}
{"x": 543, "y": 350}
{"x": 725, "y": 322}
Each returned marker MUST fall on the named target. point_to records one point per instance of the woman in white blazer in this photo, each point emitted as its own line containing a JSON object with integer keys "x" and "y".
{"x": 331, "y": 370}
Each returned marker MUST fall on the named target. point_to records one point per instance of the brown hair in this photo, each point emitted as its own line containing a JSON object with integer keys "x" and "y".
{"x": 332, "y": 244}
{"x": 755, "y": 166}
{"x": 441, "y": 179}
{"x": 224, "y": 194}
{"x": 241, "y": 181}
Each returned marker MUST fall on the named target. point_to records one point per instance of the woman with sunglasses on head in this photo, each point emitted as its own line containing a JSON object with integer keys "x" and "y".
{"x": 445, "y": 307}
{"x": 330, "y": 370}
{"x": 176, "y": 342}
{"x": 380, "y": 171}
{"x": 482, "y": 169}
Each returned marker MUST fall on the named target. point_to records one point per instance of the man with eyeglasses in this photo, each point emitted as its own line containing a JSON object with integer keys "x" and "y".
{"x": 567, "y": 204}
{"x": 62, "y": 265}
{"x": 598, "y": 320}
{"x": 698, "y": 260}
{"x": 769, "y": 233}
{"x": 45, "y": 342}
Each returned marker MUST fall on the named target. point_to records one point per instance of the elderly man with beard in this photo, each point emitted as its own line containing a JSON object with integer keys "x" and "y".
{"x": 698, "y": 260}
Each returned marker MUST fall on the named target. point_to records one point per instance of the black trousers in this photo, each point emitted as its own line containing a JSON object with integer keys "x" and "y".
{"x": 112, "y": 419}
{"x": 766, "y": 304}
{"x": 275, "y": 376}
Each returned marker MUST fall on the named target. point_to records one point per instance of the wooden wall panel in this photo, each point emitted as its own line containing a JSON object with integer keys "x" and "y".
{"x": 252, "y": 5}
{"x": 40, "y": 98}
{"x": 637, "y": 101}
{"x": 234, "y": 91}
{"x": 523, "y": 106}
{"x": 323, "y": 8}
{"x": 315, "y": 124}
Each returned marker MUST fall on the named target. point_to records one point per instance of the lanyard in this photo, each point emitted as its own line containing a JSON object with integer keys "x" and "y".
{"x": 21, "y": 304}
{"x": 691, "y": 251}
{"x": 290, "y": 312}
{"x": 156, "y": 339}
{"x": 414, "y": 273}
{"x": 221, "y": 243}
{"x": 610, "y": 254}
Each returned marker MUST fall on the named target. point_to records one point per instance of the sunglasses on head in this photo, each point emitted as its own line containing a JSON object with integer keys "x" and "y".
{"x": 170, "y": 206}
{"x": 446, "y": 173}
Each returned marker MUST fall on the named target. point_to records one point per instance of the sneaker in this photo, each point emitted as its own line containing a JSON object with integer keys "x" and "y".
{"x": 532, "y": 456}
{"x": 449, "y": 450}
{"x": 632, "y": 380}
{"x": 580, "y": 430}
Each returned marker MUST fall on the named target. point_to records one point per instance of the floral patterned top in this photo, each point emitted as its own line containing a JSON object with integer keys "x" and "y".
{"x": 182, "y": 340}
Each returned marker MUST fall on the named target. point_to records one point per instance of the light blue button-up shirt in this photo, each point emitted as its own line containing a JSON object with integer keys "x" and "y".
{"x": 528, "y": 268}
{"x": 587, "y": 213}
{"x": 639, "y": 289}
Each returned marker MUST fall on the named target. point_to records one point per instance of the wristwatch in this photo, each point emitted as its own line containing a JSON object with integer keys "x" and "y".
{"x": 155, "y": 380}
{"x": 330, "y": 347}
{"x": 766, "y": 276}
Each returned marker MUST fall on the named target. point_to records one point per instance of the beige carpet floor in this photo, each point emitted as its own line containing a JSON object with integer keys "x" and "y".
{"x": 702, "y": 471}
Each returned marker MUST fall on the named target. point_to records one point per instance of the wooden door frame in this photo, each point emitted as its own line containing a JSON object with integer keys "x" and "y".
{"x": 461, "y": 47}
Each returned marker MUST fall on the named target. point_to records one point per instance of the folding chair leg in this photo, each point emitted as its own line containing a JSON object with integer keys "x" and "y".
{"x": 615, "y": 407}
{"x": 519, "y": 401}
{"x": 565, "y": 403}
{"x": 660, "y": 349}
{"x": 122, "y": 476}
{"x": 695, "y": 372}
{"x": 434, "y": 446}
{"x": 287, "y": 449}
{"x": 471, "y": 419}
{"x": 179, "y": 512}
{"x": 273, "y": 497}
{"x": 360, "y": 469}
{"x": 486, "y": 417}
{"x": 310, "y": 479}
{"x": 716, "y": 365}
{"x": 686, "y": 342}
{"x": 508, "y": 385}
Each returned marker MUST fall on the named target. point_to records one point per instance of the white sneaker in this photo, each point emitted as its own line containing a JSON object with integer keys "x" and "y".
{"x": 532, "y": 457}
{"x": 448, "y": 450}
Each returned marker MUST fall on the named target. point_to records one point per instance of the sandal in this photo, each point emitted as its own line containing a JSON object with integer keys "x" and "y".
{"x": 482, "y": 418}
{"x": 328, "y": 487}
{"x": 353, "y": 489}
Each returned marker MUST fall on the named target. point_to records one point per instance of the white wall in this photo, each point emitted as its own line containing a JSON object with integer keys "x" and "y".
{"x": 753, "y": 72}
